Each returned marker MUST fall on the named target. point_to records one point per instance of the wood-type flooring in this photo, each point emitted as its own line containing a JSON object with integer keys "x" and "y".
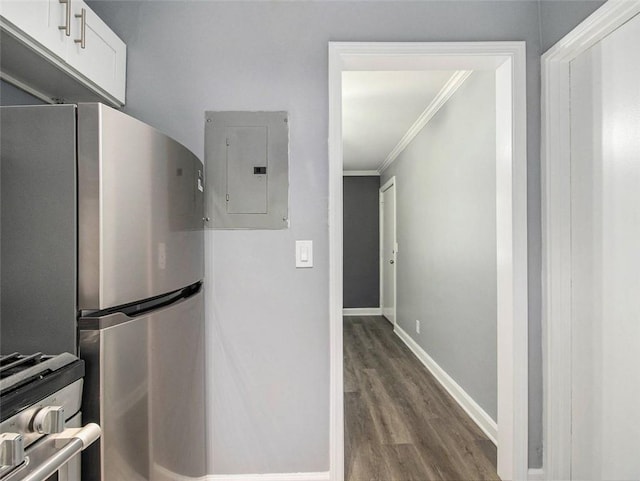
{"x": 400, "y": 424}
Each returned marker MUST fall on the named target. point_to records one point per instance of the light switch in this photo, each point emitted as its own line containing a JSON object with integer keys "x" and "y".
{"x": 304, "y": 253}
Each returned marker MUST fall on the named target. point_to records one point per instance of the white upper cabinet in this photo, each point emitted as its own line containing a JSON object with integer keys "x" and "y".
{"x": 97, "y": 52}
{"x": 62, "y": 50}
{"x": 42, "y": 20}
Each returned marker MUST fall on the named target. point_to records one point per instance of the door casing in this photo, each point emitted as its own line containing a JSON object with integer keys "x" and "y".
{"x": 390, "y": 183}
{"x": 556, "y": 228}
{"x": 508, "y": 60}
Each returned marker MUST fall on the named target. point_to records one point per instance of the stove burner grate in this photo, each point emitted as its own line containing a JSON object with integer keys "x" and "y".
{"x": 26, "y": 379}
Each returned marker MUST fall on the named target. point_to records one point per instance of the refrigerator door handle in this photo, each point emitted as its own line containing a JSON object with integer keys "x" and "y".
{"x": 103, "y": 321}
{"x": 113, "y": 317}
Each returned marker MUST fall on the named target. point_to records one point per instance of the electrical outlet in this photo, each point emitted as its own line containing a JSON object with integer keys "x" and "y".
{"x": 417, "y": 326}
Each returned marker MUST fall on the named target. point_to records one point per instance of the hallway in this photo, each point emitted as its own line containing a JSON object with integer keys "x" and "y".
{"x": 400, "y": 425}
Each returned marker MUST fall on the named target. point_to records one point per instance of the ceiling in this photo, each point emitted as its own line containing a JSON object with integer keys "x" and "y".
{"x": 378, "y": 108}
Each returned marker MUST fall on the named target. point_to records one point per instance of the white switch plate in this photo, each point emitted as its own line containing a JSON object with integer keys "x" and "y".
{"x": 304, "y": 253}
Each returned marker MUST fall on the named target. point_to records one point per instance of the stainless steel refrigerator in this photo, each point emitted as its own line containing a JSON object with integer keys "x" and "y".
{"x": 102, "y": 254}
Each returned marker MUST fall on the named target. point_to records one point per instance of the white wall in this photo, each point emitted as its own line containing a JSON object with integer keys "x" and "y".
{"x": 446, "y": 233}
{"x": 268, "y": 323}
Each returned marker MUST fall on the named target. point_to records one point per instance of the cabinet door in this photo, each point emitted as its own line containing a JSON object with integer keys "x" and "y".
{"x": 40, "y": 19}
{"x": 97, "y": 52}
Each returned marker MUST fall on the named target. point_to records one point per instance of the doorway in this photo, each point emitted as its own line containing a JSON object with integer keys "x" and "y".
{"x": 507, "y": 59}
{"x": 388, "y": 250}
{"x": 591, "y": 173}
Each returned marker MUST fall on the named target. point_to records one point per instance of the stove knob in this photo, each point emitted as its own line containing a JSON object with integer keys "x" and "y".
{"x": 49, "y": 420}
{"x": 11, "y": 449}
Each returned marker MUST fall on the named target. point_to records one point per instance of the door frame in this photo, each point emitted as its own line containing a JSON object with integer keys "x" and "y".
{"x": 508, "y": 59}
{"x": 387, "y": 185}
{"x": 556, "y": 228}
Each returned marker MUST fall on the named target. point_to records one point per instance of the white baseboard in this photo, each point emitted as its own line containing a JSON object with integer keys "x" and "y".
{"x": 479, "y": 416}
{"x": 164, "y": 474}
{"x": 362, "y": 311}
{"x": 323, "y": 476}
{"x": 536, "y": 474}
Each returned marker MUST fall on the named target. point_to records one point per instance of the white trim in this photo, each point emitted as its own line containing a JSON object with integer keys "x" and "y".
{"x": 453, "y": 84}
{"x": 556, "y": 231}
{"x": 387, "y": 185}
{"x": 466, "y": 402}
{"x": 323, "y": 476}
{"x": 508, "y": 58}
{"x": 363, "y": 173}
{"x": 336, "y": 395}
{"x": 536, "y": 474}
{"x": 609, "y": 17}
{"x": 380, "y": 256}
{"x": 512, "y": 263}
{"x": 362, "y": 311}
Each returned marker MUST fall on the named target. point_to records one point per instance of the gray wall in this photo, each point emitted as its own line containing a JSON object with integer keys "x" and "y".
{"x": 10, "y": 95}
{"x": 268, "y": 322}
{"x": 361, "y": 241}
{"x": 446, "y": 233}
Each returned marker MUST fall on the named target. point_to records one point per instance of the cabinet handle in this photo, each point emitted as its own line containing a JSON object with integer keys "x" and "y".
{"x": 67, "y": 15}
{"x": 83, "y": 28}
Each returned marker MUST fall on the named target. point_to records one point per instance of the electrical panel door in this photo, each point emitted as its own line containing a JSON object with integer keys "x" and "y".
{"x": 247, "y": 170}
{"x": 247, "y": 177}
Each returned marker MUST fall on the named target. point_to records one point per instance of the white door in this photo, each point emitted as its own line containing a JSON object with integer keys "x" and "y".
{"x": 388, "y": 249}
{"x": 605, "y": 244}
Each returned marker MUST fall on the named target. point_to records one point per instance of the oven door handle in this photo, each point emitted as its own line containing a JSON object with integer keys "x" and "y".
{"x": 79, "y": 439}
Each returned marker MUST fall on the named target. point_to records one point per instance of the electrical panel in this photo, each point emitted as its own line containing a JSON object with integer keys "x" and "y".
{"x": 247, "y": 162}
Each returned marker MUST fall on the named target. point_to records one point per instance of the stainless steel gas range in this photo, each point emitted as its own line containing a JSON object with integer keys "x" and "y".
{"x": 40, "y": 418}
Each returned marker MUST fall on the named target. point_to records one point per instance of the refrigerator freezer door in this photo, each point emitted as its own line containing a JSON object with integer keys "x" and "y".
{"x": 140, "y": 210}
{"x": 145, "y": 385}
{"x": 38, "y": 212}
